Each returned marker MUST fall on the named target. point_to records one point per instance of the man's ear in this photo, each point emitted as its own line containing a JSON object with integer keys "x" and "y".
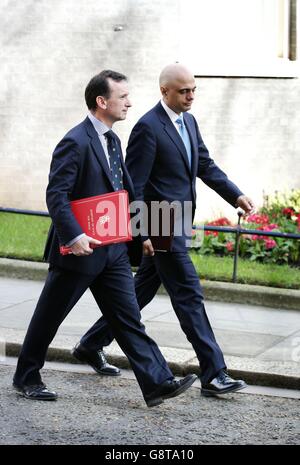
{"x": 164, "y": 91}
{"x": 101, "y": 102}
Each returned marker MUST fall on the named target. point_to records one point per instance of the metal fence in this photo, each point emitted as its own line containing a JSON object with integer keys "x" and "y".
{"x": 237, "y": 230}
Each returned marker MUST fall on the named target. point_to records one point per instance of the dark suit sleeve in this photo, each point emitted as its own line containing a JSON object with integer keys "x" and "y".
{"x": 213, "y": 176}
{"x": 62, "y": 178}
{"x": 140, "y": 156}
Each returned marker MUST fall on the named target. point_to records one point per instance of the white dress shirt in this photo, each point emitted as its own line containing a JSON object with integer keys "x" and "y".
{"x": 172, "y": 115}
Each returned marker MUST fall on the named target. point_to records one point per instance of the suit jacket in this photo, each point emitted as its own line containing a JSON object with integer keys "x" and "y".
{"x": 158, "y": 165}
{"x": 78, "y": 169}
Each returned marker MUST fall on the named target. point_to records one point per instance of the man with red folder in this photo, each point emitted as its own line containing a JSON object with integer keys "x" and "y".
{"x": 88, "y": 162}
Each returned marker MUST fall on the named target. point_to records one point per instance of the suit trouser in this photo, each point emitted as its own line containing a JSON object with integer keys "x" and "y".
{"x": 113, "y": 290}
{"x": 178, "y": 275}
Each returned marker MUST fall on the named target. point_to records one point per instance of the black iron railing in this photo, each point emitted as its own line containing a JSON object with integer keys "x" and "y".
{"x": 237, "y": 230}
{"x": 23, "y": 212}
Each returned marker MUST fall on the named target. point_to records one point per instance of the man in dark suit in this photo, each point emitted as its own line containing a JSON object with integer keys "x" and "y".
{"x": 88, "y": 162}
{"x": 165, "y": 154}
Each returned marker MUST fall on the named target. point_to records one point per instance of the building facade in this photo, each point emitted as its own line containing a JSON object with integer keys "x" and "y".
{"x": 242, "y": 52}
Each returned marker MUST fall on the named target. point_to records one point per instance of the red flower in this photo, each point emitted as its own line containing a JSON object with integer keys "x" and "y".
{"x": 270, "y": 243}
{"x": 229, "y": 246}
{"x": 220, "y": 222}
{"x": 256, "y": 237}
{"x": 211, "y": 233}
{"x": 258, "y": 219}
{"x": 288, "y": 212}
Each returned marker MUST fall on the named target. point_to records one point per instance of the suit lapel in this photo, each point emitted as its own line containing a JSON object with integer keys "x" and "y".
{"x": 98, "y": 149}
{"x": 173, "y": 134}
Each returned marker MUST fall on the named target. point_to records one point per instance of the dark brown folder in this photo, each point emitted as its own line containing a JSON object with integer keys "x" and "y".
{"x": 161, "y": 243}
{"x": 163, "y": 224}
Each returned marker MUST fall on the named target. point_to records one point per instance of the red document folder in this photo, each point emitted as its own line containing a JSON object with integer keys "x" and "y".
{"x": 104, "y": 217}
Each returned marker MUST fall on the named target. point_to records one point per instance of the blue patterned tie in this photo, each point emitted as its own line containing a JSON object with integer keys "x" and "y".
{"x": 114, "y": 160}
{"x": 185, "y": 138}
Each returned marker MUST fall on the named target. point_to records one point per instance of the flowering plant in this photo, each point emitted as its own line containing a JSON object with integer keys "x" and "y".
{"x": 279, "y": 213}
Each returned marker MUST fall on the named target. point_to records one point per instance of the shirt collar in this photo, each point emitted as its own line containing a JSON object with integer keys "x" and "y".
{"x": 171, "y": 114}
{"x": 100, "y": 127}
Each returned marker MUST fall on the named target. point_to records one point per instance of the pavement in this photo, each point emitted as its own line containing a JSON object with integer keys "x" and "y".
{"x": 261, "y": 344}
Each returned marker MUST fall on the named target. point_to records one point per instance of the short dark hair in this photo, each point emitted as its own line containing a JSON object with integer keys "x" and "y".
{"x": 99, "y": 85}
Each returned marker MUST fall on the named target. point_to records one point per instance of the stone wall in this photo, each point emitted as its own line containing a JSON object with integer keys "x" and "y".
{"x": 49, "y": 49}
{"x": 252, "y": 129}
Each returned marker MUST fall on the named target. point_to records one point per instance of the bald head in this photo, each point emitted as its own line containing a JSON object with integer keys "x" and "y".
{"x": 174, "y": 72}
{"x": 177, "y": 85}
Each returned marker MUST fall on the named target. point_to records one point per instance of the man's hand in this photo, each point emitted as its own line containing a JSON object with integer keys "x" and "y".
{"x": 246, "y": 204}
{"x": 148, "y": 248}
{"x": 83, "y": 246}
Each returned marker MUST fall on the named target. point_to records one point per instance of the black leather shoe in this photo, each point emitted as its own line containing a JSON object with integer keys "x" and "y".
{"x": 96, "y": 360}
{"x": 35, "y": 392}
{"x": 222, "y": 384}
{"x": 170, "y": 388}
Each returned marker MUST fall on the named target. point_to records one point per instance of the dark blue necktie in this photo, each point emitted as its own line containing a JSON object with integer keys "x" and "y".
{"x": 114, "y": 160}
